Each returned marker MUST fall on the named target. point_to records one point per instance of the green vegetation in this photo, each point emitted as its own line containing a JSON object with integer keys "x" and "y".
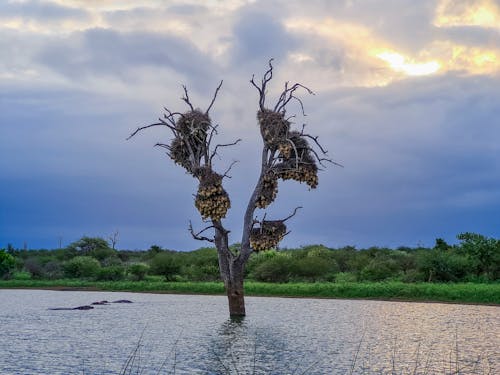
{"x": 466, "y": 272}
{"x": 455, "y": 292}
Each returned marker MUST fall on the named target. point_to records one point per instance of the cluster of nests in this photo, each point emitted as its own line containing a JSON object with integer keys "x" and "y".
{"x": 192, "y": 128}
{"x": 296, "y": 161}
{"x": 268, "y": 235}
{"x": 212, "y": 201}
{"x": 187, "y": 149}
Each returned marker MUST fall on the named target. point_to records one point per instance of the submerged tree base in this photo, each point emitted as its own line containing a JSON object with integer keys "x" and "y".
{"x": 397, "y": 291}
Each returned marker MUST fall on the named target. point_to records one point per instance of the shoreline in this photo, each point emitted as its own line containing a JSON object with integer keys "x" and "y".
{"x": 108, "y": 287}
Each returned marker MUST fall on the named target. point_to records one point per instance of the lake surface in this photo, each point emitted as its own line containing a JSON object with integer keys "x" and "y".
{"x": 193, "y": 335}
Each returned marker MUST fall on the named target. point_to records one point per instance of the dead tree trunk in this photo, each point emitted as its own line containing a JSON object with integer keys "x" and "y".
{"x": 286, "y": 154}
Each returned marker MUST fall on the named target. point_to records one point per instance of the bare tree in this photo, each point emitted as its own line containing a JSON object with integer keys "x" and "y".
{"x": 286, "y": 154}
{"x": 114, "y": 239}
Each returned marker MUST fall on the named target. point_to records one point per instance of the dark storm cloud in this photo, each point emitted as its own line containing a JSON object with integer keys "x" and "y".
{"x": 113, "y": 53}
{"x": 420, "y": 160}
{"x": 259, "y": 36}
{"x": 40, "y": 11}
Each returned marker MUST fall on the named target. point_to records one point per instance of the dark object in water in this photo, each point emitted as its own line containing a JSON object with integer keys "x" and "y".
{"x": 84, "y": 307}
{"x": 122, "y": 301}
{"x": 100, "y": 303}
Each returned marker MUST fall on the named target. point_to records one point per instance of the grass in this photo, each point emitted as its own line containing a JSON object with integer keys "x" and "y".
{"x": 458, "y": 292}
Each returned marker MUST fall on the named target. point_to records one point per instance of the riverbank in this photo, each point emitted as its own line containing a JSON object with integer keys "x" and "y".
{"x": 418, "y": 292}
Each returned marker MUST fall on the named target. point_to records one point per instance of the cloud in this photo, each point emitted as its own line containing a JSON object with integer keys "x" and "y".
{"x": 40, "y": 11}
{"x": 111, "y": 53}
{"x": 258, "y": 36}
{"x": 420, "y": 153}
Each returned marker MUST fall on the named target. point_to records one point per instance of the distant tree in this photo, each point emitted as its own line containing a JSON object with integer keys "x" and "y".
{"x": 441, "y": 245}
{"x": 34, "y": 267}
{"x": 7, "y": 263}
{"x": 286, "y": 155}
{"x": 485, "y": 252}
{"x": 87, "y": 245}
{"x": 138, "y": 271}
{"x": 114, "y": 239}
{"x": 166, "y": 265}
{"x": 82, "y": 266}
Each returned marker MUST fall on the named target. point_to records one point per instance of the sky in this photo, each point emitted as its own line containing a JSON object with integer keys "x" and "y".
{"x": 407, "y": 99}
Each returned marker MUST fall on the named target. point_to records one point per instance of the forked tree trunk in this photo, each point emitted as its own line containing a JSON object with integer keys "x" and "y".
{"x": 232, "y": 272}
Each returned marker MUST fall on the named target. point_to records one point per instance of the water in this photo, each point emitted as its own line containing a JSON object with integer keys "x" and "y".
{"x": 192, "y": 335}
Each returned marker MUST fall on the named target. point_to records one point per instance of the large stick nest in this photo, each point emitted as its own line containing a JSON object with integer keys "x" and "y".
{"x": 189, "y": 144}
{"x": 297, "y": 161}
{"x": 274, "y": 127}
{"x": 212, "y": 201}
{"x": 268, "y": 191}
{"x": 268, "y": 235}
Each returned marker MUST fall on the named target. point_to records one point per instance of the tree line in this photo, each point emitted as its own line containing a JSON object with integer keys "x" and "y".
{"x": 476, "y": 258}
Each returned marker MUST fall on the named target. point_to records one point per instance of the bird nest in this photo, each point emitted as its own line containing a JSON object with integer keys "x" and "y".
{"x": 191, "y": 136}
{"x": 194, "y": 123}
{"x": 268, "y": 191}
{"x": 298, "y": 162}
{"x": 212, "y": 201}
{"x": 268, "y": 235}
{"x": 274, "y": 127}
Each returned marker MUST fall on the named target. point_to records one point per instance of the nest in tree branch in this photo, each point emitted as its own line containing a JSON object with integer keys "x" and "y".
{"x": 179, "y": 153}
{"x": 190, "y": 142}
{"x": 212, "y": 201}
{"x": 297, "y": 161}
{"x": 268, "y": 191}
{"x": 193, "y": 123}
{"x": 268, "y": 235}
{"x": 274, "y": 127}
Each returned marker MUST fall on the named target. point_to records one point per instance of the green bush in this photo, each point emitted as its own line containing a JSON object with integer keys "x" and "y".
{"x": 276, "y": 270}
{"x": 378, "y": 270}
{"x": 314, "y": 267}
{"x": 82, "y": 266}
{"x": 166, "y": 265}
{"x": 7, "y": 263}
{"x": 21, "y": 275}
{"x": 345, "y": 277}
{"x": 53, "y": 270}
{"x": 442, "y": 266}
{"x": 111, "y": 273}
{"x": 34, "y": 267}
{"x": 204, "y": 272}
{"x": 138, "y": 271}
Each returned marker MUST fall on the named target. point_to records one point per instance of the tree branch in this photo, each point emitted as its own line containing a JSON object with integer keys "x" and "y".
{"x": 186, "y": 98}
{"x": 197, "y": 236}
{"x": 228, "y": 169}
{"x": 292, "y": 214}
{"x": 268, "y": 75}
{"x": 215, "y": 96}
{"x": 161, "y": 123}
{"x": 214, "y": 152}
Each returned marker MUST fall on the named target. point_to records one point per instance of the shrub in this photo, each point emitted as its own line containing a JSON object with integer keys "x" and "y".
{"x": 34, "y": 267}
{"x": 138, "y": 271}
{"x": 21, "y": 275}
{"x": 82, "y": 266}
{"x": 166, "y": 265}
{"x": 205, "y": 272}
{"x": 276, "y": 269}
{"x": 111, "y": 273}
{"x": 378, "y": 270}
{"x": 440, "y": 266}
{"x": 53, "y": 270}
{"x": 314, "y": 267}
{"x": 345, "y": 277}
{"x": 7, "y": 263}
